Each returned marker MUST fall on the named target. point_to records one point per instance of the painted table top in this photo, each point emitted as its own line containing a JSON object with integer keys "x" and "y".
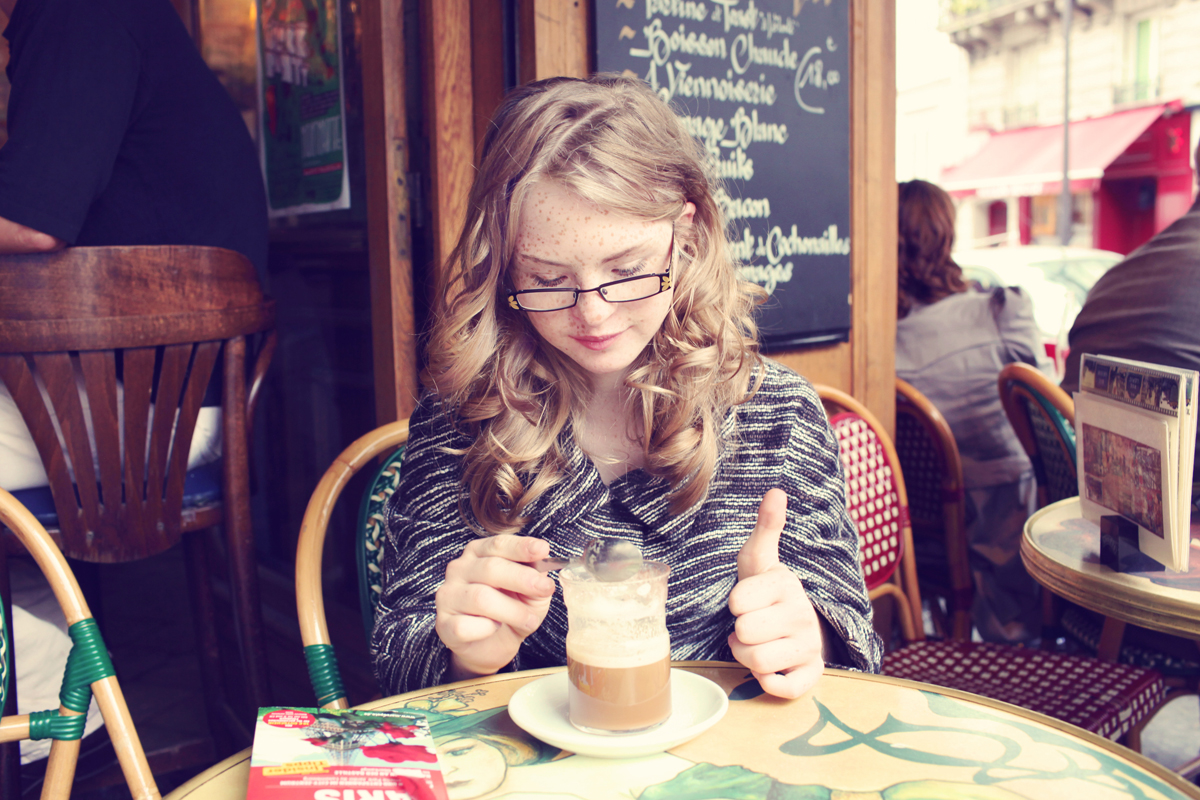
{"x": 853, "y": 736}
{"x": 1061, "y": 550}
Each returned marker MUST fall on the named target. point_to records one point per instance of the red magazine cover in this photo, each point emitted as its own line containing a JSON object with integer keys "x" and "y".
{"x": 321, "y": 754}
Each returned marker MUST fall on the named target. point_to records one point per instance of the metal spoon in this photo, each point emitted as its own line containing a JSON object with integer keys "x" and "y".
{"x": 608, "y": 560}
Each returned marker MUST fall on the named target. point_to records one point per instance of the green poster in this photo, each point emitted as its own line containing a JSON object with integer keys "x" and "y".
{"x": 302, "y": 125}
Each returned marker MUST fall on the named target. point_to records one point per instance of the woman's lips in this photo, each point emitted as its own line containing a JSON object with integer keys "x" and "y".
{"x": 596, "y": 342}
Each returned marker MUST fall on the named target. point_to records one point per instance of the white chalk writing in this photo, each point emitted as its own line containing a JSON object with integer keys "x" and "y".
{"x": 682, "y": 84}
{"x": 775, "y": 246}
{"x": 743, "y": 207}
{"x": 687, "y": 9}
{"x": 747, "y": 130}
{"x": 767, "y": 277}
{"x": 737, "y": 17}
{"x": 811, "y": 72}
{"x": 744, "y": 54}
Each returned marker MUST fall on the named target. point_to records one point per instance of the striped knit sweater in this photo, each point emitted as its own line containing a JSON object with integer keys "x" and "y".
{"x": 782, "y": 439}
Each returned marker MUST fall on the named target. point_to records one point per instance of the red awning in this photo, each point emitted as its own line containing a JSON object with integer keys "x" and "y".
{"x": 1028, "y": 161}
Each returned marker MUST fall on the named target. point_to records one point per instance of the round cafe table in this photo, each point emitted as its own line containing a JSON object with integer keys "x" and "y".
{"x": 1061, "y": 550}
{"x": 853, "y": 735}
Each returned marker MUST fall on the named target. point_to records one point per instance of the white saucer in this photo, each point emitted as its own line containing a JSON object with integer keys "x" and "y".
{"x": 540, "y": 707}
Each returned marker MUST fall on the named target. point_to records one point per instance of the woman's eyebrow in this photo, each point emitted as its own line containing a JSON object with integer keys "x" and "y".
{"x": 618, "y": 256}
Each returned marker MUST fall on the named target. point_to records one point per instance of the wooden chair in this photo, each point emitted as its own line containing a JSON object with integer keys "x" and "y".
{"x": 1043, "y": 416}
{"x": 88, "y": 672}
{"x": 1112, "y": 700}
{"x": 310, "y": 600}
{"x": 157, "y": 320}
{"x": 929, "y": 459}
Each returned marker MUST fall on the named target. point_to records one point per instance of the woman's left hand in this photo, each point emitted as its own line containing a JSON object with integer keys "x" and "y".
{"x": 777, "y": 633}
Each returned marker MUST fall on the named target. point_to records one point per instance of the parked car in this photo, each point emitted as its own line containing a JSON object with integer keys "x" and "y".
{"x": 1056, "y": 279}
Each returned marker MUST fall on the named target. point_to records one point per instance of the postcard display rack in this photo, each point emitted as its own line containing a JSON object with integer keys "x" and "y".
{"x": 1135, "y": 430}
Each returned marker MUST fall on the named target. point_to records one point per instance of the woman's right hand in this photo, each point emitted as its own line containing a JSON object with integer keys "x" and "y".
{"x": 491, "y": 600}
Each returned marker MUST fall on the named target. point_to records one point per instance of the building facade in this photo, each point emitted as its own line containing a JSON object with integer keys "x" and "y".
{"x": 1134, "y": 90}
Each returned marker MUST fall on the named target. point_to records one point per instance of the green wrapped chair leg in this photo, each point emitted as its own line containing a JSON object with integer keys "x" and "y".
{"x": 88, "y": 671}
{"x": 310, "y": 601}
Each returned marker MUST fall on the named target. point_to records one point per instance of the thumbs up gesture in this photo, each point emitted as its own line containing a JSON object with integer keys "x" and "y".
{"x": 777, "y": 633}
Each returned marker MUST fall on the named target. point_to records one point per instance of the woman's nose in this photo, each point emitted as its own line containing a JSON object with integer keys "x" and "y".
{"x": 592, "y": 309}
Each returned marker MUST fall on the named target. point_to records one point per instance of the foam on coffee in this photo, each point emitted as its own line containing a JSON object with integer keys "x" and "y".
{"x": 612, "y": 654}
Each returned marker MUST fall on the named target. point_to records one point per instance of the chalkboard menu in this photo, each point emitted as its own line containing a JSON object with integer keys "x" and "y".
{"x": 764, "y": 84}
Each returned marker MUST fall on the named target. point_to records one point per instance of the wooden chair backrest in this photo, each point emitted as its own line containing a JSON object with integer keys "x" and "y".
{"x": 310, "y": 597}
{"x": 933, "y": 474}
{"x": 1043, "y": 416}
{"x": 157, "y": 319}
{"x": 60, "y": 768}
{"x": 867, "y": 451}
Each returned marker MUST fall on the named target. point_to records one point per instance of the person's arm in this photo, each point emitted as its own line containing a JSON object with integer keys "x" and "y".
{"x": 18, "y": 238}
{"x": 454, "y": 605}
{"x": 74, "y": 74}
{"x": 800, "y": 602}
{"x": 821, "y": 543}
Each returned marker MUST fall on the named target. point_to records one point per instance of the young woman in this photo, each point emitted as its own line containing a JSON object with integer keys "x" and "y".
{"x": 957, "y": 371}
{"x": 592, "y": 371}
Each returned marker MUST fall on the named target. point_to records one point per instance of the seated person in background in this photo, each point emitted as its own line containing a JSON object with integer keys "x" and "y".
{"x": 951, "y": 344}
{"x": 593, "y": 371}
{"x": 1145, "y": 308}
{"x": 118, "y": 134}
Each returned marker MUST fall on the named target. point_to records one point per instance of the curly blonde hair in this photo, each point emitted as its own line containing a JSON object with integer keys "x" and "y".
{"x": 614, "y": 142}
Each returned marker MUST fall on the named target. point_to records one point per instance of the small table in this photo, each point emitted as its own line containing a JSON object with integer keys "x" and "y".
{"x": 1061, "y": 550}
{"x": 866, "y": 736}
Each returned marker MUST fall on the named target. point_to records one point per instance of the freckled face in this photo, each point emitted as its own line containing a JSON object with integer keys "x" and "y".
{"x": 565, "y": 241}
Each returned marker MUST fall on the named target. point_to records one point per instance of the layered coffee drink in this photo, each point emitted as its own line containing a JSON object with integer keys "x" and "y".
{"x": 618, "y": 650}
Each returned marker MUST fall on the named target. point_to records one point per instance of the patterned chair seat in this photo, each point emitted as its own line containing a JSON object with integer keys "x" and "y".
{"x": 1102, "y": 697}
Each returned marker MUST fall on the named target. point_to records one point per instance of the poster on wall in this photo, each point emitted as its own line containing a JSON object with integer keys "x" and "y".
{"x": 764, "y": 84}
{"x": 302, "y": 121}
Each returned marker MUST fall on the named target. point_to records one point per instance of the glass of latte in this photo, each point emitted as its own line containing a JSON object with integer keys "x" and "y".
{"x": 618, "y": 650}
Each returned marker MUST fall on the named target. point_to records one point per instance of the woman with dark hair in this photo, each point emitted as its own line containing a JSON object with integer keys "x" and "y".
{"x": 951, "y": 343}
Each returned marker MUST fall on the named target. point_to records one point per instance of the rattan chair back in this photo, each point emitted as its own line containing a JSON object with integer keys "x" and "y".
{"x": 933, "y": 476}
{"x": 1043, "y": 416}
{"x": 88, "y": 672}
{"x": 310, "y": 599}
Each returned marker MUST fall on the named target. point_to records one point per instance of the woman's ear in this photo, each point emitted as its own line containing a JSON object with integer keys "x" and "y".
{"x": 685, "y": 216}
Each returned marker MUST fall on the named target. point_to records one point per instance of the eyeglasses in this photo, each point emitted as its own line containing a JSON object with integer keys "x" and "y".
{"x": 626, "y": 290}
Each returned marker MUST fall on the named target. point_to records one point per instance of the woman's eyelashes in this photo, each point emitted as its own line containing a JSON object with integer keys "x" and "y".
{"x": 536, "y": 281}
{"x": 629, "y": 272}
{"x": 541, "y": 282}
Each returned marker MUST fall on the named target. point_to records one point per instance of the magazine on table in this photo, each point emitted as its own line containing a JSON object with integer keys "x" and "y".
{"x": 322, "y": 754}
{"x": 1135, "y": 430}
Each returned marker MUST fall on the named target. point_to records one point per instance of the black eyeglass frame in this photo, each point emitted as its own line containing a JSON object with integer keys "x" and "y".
{"x": 664, "y": 284}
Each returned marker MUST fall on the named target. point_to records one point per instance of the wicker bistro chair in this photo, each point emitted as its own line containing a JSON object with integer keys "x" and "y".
{"x": 310, "y": 603}
{"x": 929, "y": 459}
{"x": 88, "y": 671}
{"x": 1111, "y": 700}
{"x": 1043, "y": 416}
{"x": 159, "y": 320}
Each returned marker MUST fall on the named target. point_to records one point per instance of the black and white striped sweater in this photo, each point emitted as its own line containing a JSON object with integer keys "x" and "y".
{"x": 782, "y": 439}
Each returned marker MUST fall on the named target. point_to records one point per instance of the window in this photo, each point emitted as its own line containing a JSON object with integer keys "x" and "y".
{"x": 1141, "y": 62}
